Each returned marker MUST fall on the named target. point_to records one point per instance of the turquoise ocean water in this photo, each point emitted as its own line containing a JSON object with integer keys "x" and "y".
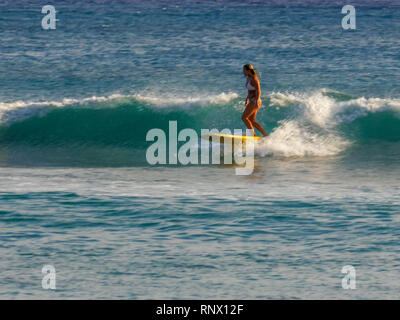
{"x": 77, "y": 193}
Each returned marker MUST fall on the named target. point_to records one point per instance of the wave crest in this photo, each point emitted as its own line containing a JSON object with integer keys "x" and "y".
{"x": 318, "y": 123}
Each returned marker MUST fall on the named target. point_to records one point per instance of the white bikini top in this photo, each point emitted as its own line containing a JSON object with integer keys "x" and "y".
{"x": 249, "y": 86}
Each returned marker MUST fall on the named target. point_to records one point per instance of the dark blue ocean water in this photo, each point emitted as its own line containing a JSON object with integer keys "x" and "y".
{"x": 76, "y": 191}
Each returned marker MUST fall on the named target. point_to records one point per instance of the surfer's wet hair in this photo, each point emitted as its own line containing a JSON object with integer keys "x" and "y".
{"x": 250, "y": 68}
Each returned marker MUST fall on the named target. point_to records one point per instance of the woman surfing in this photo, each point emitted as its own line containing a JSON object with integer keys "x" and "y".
{"x": 253, "y": 101}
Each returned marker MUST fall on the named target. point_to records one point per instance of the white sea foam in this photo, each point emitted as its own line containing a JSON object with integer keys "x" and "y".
{"x": 292, "y": 138}
{"x": 312, "y": 128}
{"x": 21, "y": 110}
{"x": 166, "y": 100}
{"x": 325, "y": 111}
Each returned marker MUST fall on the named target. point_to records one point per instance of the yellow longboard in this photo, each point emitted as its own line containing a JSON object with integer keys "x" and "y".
{"x": 229, "y": 138}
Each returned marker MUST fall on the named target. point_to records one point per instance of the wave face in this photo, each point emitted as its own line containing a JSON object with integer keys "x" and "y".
{"x": 116, "y": 120}
{"x": 317, "y": 123}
